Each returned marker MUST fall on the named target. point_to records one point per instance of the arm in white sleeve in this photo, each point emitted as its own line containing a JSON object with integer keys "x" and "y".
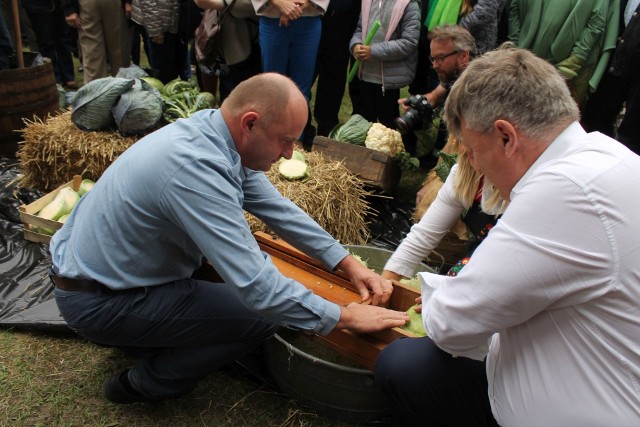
{"x": 524, "y": 267}
{"x": 425, "y": 236}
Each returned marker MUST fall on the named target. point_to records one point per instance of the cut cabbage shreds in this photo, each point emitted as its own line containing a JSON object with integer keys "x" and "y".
{"x": 293, "y": 169}
{"x": 415, "y": 325}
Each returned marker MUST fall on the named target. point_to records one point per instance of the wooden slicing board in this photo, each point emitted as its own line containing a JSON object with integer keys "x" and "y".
{"x": 335, "y": 287}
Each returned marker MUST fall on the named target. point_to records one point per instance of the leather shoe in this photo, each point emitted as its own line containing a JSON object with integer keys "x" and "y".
{"x": 115, "y": 391}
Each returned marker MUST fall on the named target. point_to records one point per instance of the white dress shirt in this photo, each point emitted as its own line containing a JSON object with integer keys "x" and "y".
{"x": 555, "y": 290}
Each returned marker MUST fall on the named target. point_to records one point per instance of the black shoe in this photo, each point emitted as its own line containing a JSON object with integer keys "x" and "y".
{"x": 115, "y": 390}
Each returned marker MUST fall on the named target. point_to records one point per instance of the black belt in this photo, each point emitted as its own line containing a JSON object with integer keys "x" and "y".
{"x": 79, "y": 285}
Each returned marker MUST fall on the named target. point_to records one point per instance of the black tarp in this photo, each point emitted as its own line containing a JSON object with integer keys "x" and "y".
{"x": 26, "y": 293}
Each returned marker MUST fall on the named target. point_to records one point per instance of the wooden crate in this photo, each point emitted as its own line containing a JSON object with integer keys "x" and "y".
{"x": 336, "y": 287}
{"x": 372, "y": 166}
{"x": 31, "y": 221}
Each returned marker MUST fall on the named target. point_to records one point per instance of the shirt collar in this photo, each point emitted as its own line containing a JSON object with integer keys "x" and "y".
{"x": 560, "y": 146}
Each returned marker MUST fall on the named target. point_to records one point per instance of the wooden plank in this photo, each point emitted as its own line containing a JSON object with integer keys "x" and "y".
{"x": 372, "y": 166}
{"x": 402, "y": 297}
{"x": 326, "y": 288}
{"x": 360, "y": 348}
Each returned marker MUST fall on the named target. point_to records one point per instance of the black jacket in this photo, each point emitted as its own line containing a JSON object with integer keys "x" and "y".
{"x": 625, "y": 58}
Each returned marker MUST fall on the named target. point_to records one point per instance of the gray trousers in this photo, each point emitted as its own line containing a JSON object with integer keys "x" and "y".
{"x": 185, "y": 329}
{"x": 105, "y": 38}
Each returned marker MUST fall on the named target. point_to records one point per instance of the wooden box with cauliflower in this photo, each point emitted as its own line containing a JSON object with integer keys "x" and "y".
{"x": 45, "y": 216}
{"x": 371, "y": 151}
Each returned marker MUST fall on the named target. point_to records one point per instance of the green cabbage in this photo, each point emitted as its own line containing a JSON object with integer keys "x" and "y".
{"x": 293, "y": 169}
{"x": 139, "y": 109}
{"x": 354, "y": 131}
{"x": 157, "y": 83}
{"x": 205, "y": 100}
{"x": 132, "y": 72}
{"x": 91, "y": 108}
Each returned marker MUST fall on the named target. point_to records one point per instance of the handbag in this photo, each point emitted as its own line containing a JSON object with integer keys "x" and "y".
{"x": 208, "y": 38}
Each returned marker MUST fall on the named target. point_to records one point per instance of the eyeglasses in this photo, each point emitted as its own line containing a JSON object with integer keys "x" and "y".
{"x": 440, "y": 59}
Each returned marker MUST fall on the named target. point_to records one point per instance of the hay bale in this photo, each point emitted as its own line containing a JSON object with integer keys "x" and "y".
{"x": 332, "y": 196}
{"x": 55, "y": 150}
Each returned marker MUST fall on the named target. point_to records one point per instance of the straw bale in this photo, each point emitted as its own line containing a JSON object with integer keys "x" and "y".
{"x": 332, "y": 196}
{"x": 54, "y": 150}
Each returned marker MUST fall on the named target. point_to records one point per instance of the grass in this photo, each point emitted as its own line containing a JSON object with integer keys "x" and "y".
{"x": 56, "y": 379}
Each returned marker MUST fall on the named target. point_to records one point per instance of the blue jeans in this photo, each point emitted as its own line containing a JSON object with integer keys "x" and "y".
{"x": 184, "y": 330}
{"x": 291, "y": 50}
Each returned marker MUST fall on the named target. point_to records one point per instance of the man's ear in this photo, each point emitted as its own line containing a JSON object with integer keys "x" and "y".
{"x": 508, "y": 135}
{"x": 248, "y": 121}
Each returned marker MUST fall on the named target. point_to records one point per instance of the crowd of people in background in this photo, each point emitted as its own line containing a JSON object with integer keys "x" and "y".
{"x": 592, "y": 43}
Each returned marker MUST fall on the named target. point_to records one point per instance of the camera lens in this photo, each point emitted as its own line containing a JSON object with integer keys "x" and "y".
{"x": 409, "y": 121}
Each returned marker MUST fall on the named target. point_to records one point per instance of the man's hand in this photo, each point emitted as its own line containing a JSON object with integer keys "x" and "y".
{"x": 366, "y": 318}
{"x": 366, "y": 281}
{"x": 73, "y": 20}
{"x": 403, "y": 106}
{"x": 158, "y": 39}
{"x": 127, "y": 10}
{"x": 390, "y": 275}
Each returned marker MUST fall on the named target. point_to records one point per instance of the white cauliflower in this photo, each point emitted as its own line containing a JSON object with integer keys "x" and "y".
{"x": 383, "y": 139}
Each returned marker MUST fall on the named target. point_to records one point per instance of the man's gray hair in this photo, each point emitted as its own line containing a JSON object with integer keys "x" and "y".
{"x": 462, "y": 39}
{"x": 511, "y": 84}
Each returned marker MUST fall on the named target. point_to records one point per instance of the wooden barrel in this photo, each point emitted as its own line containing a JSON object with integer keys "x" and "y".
{"x": 25, "y": 93}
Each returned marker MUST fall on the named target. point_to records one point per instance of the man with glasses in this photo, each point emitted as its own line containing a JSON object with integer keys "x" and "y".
{"x": 452, "y": 48}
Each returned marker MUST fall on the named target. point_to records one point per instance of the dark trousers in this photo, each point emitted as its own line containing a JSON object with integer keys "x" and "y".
{"x": 51, "y": 32}
{"x": 170, "y": 58}
{"x": 606, "y": 103}
{"x": 185, "y": 329}
{"x": 429, "y": 387}
{"x": 370, "y": 102}
{"x": 6, "y": 43}
{"x": 233, "y": 74}
{"x": 332, "y": 67}
{"x": 139, "y": 36}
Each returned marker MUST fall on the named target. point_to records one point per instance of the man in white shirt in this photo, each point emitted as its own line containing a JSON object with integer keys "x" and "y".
{"x": 550, "y": 298}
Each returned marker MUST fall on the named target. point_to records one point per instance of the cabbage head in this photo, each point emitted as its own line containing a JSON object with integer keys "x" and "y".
{"x": 157, "y": 83}
{"x": 91, "y": 108}
{"x": 354, "y": 131}
{"x": 132, "y": 72}
{"x": 139, "y": 109}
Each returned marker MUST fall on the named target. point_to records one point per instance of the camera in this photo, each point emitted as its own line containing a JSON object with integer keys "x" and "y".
{"x": 419, "y": 111}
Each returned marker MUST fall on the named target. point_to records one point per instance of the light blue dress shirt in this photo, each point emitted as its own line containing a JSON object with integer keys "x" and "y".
{"x": 177, "y": 197}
